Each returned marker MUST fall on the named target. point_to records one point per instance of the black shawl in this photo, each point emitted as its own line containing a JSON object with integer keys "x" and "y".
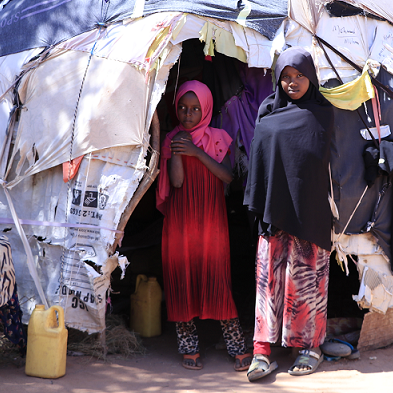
{"x": 288, "y": 179}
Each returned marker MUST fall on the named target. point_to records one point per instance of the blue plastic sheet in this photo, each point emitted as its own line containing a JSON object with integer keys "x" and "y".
{"x": 27, "y": 24}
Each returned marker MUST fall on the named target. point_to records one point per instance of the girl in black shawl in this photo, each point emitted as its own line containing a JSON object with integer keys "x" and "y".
{"x": 287, "y": 195}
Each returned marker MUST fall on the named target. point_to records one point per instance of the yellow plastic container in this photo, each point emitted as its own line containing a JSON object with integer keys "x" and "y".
{"x": 145, "y": 316}
{"x": 46, "y": 343}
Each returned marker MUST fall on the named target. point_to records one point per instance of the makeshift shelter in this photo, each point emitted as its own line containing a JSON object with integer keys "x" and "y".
{"x": 84, "y": 80}
{"x": 87, "y": 84}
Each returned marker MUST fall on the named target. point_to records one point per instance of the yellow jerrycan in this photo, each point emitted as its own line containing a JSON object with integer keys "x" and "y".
{"x": 145, "y": 316}
{"x": 46, "y": 343}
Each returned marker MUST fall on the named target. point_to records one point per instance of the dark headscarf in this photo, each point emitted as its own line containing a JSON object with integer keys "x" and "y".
{"x": 288, "y": 179}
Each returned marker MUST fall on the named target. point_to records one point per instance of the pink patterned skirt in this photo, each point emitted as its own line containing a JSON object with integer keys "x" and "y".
{"x": 292, "y": 287}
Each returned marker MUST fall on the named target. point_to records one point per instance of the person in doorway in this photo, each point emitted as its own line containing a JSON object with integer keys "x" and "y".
{"x": 195, "y": 240}
{"x": 287, "y": 198}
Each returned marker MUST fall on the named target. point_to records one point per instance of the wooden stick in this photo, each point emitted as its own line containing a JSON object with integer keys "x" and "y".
{"x": 102, "y": 341}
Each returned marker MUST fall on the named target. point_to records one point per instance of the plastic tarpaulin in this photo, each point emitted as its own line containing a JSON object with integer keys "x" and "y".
{"x": 109, "y": 114}
{"x": 49, "y": 93}
{"x": 308, "y": 12}
{"x": 70, "y": 228}
{"x": 113, "y": 42}
{"x": 29, "y": 24}
{"x": 254, "y": 48}
{"x": 357, "y": 37}
{"x": 10, "y": 66}
{"x": 91, "y": 95}
{"x": 376, "y": 280}
{"x": 64, "y": 257}
{"x": 382, "y": 48}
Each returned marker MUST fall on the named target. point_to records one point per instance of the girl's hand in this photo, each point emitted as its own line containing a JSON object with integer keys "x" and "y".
{"x": 183, "y": 145}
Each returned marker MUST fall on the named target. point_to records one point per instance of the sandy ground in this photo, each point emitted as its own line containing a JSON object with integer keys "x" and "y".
{"x": 160, "y": 370}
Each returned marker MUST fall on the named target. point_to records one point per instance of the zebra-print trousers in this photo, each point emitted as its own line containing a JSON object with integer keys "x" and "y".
{"x": 292, "y": 284}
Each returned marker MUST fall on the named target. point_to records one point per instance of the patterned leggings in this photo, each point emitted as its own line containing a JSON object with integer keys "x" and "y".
{"x": 11, "y": 318}
{"x": 188, "y": 341}
{"x": 292, "y": 285}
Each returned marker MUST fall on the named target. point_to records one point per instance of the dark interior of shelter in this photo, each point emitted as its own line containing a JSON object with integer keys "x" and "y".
{"x": 142, "y": 239}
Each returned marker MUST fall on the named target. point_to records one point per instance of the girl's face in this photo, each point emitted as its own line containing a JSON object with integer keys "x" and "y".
{"x": 189, "y": 110}
{"x": 294, "y": 83}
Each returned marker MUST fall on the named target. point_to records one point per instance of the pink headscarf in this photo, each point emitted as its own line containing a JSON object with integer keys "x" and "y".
{"x": 214, "y": 141}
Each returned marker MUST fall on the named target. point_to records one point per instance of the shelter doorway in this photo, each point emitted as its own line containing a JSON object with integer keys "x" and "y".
{"x": 142, "y": 240}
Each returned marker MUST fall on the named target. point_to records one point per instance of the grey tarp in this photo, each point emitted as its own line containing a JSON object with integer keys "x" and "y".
{"x": 341, "y": 9}
{"x": 348, "y": 172}
{"x": 30, "y": 24}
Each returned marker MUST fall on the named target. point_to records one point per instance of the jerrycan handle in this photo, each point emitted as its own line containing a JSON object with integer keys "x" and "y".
{"x": 60, "y": 316}
{"x": 139, "y": 278}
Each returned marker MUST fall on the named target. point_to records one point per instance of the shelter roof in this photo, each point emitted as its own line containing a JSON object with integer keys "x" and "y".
{"x": 31, "y": 24}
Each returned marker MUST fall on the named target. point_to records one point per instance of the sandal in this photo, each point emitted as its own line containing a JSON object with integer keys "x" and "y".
{"x": 306, "y": 358}
{"x": 239, "y": 365}
{"x": 196, "y": 363}
{"x": 260, "y": 367}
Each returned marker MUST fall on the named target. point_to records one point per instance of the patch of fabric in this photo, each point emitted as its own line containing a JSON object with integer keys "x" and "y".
{"x": 351, "y": 95}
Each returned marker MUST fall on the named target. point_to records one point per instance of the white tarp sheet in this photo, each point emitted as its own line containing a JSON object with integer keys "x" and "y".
{"x": 130, "y": 42}
{"x": 73, "y": 265}
{"x": 113, "y": 43}
{"x": 10, "y": 67}
{"x": 111, "y": 112}
{"x": 81, "y": 291}
{"x": 357, "y": 37}
{"x": 49, "y": 94}
{"x": 306, "y": 13}
{"x": 96, "y": 197}
{"x": 353, "y": 36}
{"x": 376, "y": 279}
{"x": 382, "y": 48}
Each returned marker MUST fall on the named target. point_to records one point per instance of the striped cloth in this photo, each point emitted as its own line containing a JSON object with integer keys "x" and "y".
{"x": 292, "y": 288}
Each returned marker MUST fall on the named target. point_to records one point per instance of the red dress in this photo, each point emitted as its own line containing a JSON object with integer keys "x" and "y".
{"x": 195, "y": 248}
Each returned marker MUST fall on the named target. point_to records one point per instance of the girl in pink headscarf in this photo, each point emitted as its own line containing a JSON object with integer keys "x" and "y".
{"x": 195, "y": 240}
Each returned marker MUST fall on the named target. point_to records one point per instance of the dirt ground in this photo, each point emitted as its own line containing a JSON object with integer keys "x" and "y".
{"x": 160, "y": 370}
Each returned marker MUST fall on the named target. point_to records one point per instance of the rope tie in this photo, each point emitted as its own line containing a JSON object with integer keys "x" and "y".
{"x": 341, "y": 255}
{"x": 71, "y": 151}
